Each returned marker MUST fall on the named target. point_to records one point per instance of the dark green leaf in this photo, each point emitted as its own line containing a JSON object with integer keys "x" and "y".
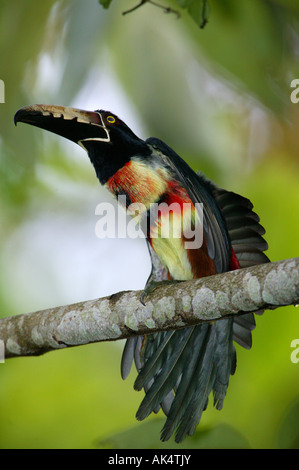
{"x": 105, "y": 3}
{"x": 198, "y": 10}
{"x": 288, "y": 435}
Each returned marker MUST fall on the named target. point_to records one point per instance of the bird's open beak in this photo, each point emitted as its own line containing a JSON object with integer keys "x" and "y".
{"x": 73, "y": 124}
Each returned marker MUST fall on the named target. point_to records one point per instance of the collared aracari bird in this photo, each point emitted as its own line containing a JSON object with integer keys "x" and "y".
{"x": 177, "y": 369}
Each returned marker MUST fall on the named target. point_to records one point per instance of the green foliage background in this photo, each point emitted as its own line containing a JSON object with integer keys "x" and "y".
{"x": 220, "y": 96}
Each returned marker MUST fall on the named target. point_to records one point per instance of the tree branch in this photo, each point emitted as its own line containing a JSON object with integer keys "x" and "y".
{"x": 169, "y": 306}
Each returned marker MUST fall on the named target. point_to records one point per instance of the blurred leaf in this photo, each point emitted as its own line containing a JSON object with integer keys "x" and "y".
{"x": 146, "y": 436}
{"x": 255, "y": 30}
{"x": 105, "y": 3}
{"x": 198, "y": 10}
{"x": 288, "y": 433}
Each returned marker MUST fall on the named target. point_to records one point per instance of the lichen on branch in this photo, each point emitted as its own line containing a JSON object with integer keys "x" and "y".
{"x": 169, "y": 306}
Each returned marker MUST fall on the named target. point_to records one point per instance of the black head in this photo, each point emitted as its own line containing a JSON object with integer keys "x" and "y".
{"x": 109, "y": 142}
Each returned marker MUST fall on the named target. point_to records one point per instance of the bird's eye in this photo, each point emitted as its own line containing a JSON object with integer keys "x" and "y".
{"x": 110, "y": 119}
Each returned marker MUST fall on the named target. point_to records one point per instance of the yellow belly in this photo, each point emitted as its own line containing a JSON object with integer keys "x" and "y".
{"x": 173, "y": 255}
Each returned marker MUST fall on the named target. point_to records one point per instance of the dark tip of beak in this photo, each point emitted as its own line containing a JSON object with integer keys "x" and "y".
{"x": 22, "y": 115}
{"x": 16, "y": 118}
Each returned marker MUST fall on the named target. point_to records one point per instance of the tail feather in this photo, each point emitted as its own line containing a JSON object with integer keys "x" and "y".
{"x": 128, "y": 357}
{"x": 156, "y": 353}
{"x": 224, "y": 360}
{"x": 193, "y": 379}
{"x": 201, "y": 360}
{"x": 179, "y": 369}
{"x": 242, "y": 328}
{"x": 167, "y": 376}
{"x": 167, "y": 402}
